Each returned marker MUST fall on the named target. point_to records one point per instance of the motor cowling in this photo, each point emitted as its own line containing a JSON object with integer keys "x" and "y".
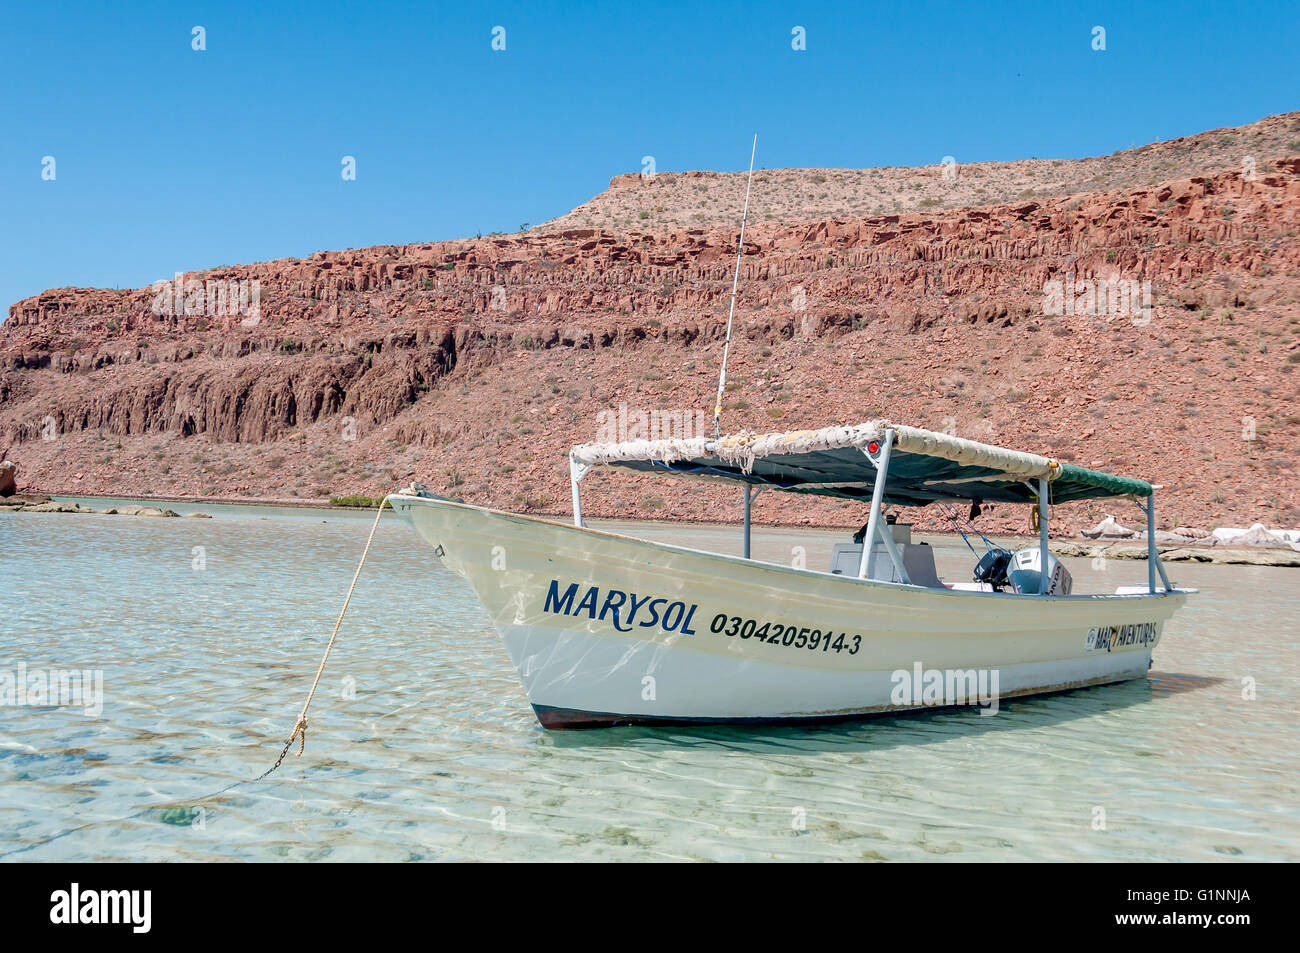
{"x": 992, "y": 568}
{"x": 1025, "y": 573}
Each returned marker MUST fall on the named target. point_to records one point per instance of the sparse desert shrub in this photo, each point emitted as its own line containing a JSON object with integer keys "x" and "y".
{"x": 364, "y": 501}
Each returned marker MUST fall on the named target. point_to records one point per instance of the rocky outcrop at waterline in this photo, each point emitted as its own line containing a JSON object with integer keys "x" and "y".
{"x": 1284, "y": 557}
{"x": 43, "y": 504}
{"x": 473, "y": 365}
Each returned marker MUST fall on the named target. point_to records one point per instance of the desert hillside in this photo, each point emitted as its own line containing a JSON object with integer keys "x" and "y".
{"x": 473, "y": 365}
{"x": 712, "y": 199}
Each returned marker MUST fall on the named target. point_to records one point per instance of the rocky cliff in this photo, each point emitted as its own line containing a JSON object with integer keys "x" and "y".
{"x": 473, "y": 365}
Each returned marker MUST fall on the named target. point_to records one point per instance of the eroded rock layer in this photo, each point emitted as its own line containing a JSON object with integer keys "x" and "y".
{"x": 473, "y": 365}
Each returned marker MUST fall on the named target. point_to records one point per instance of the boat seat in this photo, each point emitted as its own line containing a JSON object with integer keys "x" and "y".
{"x": 918, "y": 560}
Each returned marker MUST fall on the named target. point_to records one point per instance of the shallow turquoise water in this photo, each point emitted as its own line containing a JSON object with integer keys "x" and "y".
{"x": 422, "y": 745}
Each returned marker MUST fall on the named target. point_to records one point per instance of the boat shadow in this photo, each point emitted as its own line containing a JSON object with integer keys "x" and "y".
{"x": 896, "y": 729}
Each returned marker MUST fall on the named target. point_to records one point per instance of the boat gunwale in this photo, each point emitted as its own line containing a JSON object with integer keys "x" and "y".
{"x": 779, "y": 567}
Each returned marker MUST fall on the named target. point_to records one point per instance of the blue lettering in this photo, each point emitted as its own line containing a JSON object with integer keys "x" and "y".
{"x": 624, "y": 607}
{"x": 589, "y": 602}
{"x": 611, "y": 605}
{"x": 553, "y": 601}
{"x": 636, "y": 604}
{"x": 654, "y": 614}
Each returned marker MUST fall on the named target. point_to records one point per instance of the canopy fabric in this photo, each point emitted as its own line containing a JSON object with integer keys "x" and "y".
{"x": 924, "y": 465}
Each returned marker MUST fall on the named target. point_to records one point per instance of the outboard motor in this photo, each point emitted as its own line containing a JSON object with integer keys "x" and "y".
{"x": 992, "y": 568}
{"x": 1025, "y": 573}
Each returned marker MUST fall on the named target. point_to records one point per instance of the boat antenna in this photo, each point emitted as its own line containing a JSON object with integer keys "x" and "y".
{"x": 740, "y": 250}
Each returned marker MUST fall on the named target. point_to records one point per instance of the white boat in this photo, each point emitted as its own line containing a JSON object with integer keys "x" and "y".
{"x": 606, "y": 629}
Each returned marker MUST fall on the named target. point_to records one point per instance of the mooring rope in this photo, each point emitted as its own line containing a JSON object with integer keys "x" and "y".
{"x": 299, "y": 728}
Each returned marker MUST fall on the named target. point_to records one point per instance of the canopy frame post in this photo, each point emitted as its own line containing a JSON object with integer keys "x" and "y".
{"x": 887, "y": 537}
{"x": 1042, "y": 536}
{"x": 881, "y": 463}
{"x": 1154, "y": 564}
{"x": 751, "y": 494}
{"x": 577, "y": 471}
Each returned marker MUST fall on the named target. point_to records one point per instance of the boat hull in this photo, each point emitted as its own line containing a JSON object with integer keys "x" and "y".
{"x": 604, "y": 629}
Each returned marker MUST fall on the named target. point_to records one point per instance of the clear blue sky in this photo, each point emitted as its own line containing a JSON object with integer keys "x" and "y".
{"x": 170, "y": 159}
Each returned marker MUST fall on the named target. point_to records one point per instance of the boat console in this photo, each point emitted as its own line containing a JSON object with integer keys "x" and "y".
{"x": 917, "y": 558}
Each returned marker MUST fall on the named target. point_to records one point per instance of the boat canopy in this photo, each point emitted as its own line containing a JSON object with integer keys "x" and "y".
{"x": 925, "y": 465}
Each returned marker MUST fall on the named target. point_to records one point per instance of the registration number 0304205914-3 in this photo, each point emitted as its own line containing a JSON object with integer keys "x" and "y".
{"x": 777, "y": 633}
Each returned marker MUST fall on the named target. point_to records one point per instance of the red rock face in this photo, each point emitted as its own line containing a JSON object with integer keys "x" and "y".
{"x": 473, "y": 365}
